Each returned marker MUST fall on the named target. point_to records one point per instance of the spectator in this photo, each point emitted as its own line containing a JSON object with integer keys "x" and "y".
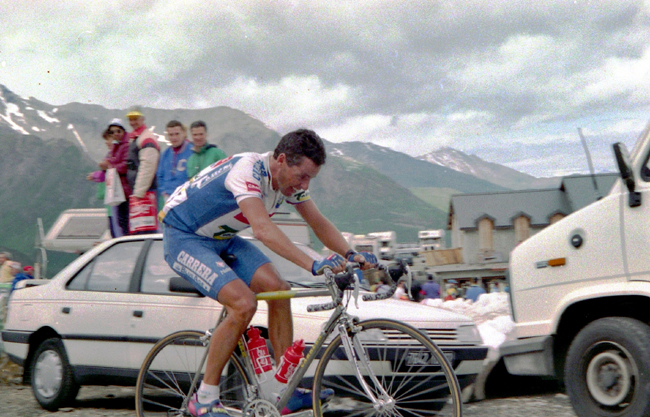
{"x": 28, "y": 273}
{"x": 452, "y": 294}
{"x": 117, "y": 158}
{"x": 474, "y": 291}
{"x": 14, "y": 269}
{"x": 143, "y": 155}
{"x": 173, "y": 161}
{"x": 5, "y": 269}
{"x": 430, "y": 289}
{"x": 99, "y": 177}
{"x": 204, "y": 154}
{"x": 384, "y": 287}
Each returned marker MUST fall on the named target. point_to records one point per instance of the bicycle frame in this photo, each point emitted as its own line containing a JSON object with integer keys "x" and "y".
{"x": 339, "y": 322}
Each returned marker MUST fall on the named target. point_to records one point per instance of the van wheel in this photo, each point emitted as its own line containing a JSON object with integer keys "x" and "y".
{"x": 607, "y": 370}
{"x": 52, "y": 379}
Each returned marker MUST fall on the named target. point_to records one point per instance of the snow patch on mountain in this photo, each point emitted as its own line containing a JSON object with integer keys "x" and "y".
{"x": 13, "y": 109}
{"x": 47, "y": 117}
{"x": 493, "y": 172}
{"x": 453, "y": 159}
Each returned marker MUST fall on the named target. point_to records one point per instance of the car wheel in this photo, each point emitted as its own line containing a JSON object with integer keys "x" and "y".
{"x": 52, "y": 379}
{"x": 607, "y": 371}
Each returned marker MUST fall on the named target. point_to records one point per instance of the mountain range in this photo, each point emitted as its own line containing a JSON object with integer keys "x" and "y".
{"x": 363, "y": 187}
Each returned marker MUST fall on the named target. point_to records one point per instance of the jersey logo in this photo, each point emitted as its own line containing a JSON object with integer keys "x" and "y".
{"x": 251, "y": 186}
{"x": 301, "y": 196}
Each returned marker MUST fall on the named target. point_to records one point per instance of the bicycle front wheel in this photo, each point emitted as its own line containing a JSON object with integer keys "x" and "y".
{"x": 167, "y": 372}
{"x": 408, "y": 375}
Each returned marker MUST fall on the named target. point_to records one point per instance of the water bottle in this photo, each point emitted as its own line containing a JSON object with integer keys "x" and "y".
{"x": 260, "y": 357}
{"x": 289, "y": 362}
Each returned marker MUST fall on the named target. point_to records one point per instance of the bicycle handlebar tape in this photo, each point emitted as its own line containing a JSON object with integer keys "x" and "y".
{"x": 383, "y": 296}
{"x": 321, "y": 307}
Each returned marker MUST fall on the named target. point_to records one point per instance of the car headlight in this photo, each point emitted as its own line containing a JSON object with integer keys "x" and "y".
{"x": 469, "y": 334}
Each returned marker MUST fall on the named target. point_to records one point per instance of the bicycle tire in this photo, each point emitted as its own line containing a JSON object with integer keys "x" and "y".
{"x": 412, "y": 370}
{"x": 167, "y": 372}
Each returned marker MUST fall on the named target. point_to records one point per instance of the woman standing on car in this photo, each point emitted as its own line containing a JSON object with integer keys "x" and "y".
{"x": 116, "y": 158}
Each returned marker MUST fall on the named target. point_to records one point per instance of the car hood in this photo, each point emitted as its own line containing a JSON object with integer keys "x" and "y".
{"x": 403, "y": 310}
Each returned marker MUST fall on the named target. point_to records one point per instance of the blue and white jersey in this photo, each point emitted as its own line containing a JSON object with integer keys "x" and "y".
{"x": 208, "y": 203}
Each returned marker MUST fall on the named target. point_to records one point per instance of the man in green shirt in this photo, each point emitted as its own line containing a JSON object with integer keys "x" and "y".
{"x": 205, "y": 154}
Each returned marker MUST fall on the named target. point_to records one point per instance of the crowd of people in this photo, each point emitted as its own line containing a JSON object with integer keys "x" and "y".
{"x": 148, "y": 176}
{"x": 431, "y": 289}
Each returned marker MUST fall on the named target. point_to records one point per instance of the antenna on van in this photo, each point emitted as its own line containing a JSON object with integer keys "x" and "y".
{"x": 591, "y": 165}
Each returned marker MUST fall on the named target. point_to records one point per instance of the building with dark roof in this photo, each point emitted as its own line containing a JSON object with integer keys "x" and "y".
{"x": 485, "y": 227}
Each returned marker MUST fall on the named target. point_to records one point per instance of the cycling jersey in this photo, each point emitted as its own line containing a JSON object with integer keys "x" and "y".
{"x": 208, "y": 203}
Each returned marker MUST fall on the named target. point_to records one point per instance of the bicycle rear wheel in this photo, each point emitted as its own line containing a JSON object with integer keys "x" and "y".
{"x": 413, "y": 377}
{"x": 167, "y": 372}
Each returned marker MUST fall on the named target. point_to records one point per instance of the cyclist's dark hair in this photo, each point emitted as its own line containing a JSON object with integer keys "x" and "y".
{"x": 299, "y": 143}
{"x": 199, "y": 123}
{"x": 176, "y": 123}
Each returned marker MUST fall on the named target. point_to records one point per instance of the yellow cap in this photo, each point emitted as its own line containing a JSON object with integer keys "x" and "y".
{"x": 135, "y": 111}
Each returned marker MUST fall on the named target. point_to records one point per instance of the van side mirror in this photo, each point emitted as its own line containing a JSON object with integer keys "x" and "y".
{"x": 627, "y": 174}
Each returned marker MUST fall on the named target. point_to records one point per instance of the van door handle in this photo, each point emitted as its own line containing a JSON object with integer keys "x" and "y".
{"x": 138, "y": 313}
{"x": 65, "y": 310}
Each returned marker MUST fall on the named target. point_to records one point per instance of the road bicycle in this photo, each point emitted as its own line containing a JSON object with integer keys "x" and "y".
{"x": 376, "y": 367}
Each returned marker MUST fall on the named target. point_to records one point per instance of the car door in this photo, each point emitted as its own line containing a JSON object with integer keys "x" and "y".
{"x": 93, "y": 320}
{"x": 154, "y": 311}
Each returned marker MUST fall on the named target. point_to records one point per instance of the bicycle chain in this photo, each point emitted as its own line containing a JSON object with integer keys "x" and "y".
{"x": 260, "y": 408}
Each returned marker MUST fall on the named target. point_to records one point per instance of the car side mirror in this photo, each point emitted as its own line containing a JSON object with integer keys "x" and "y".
{"x": 627, "y": 174}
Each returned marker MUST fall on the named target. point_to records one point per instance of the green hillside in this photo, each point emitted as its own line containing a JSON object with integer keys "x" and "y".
{"x": 359, "y": 199}
{"x": 436, "y": 197}
{"x": 38, "y": 180}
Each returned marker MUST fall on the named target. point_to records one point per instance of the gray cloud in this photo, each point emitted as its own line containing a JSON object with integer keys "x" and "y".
{"x": 412, "y": 75}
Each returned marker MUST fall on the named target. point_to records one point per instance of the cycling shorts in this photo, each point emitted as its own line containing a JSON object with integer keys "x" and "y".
{"x": 199, "y": 260}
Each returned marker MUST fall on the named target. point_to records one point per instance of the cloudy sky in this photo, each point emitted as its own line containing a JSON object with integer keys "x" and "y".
{"x": 509, "y": 81}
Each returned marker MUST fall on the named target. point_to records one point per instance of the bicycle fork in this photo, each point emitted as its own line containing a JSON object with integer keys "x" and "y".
{"x": 360, "y": 362}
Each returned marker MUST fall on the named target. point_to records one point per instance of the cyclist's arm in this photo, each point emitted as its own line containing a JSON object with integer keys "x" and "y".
{"x": 270, "y": 235}
{"x": 324, "y": 229}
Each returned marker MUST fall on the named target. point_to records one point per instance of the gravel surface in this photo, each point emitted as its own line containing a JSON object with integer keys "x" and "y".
{"x": 118, "y": 401}
{"x": 538, "y": 399}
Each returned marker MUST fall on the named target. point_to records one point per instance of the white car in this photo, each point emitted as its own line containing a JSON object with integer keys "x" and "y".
{"x": 95, "y": 321}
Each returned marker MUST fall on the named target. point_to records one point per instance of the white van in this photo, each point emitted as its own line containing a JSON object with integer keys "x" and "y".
{"x": 580, "y": 297}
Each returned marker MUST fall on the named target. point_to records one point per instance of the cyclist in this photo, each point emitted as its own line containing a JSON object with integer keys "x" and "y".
{"x": 201, "y": 220}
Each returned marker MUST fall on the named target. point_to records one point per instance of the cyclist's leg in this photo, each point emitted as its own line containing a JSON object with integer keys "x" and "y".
{"x": 196, "y": 259}
{"x": 267, "y": 278}
{"x": 251, "y": 262}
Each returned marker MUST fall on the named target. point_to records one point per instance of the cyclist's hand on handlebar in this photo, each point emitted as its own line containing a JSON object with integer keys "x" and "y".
{"x": 366, "y": 260}
{"x": 335, "y": 262}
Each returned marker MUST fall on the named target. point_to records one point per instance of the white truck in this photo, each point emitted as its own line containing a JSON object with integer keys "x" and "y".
{"x": 386, "y": 242}
{"x": 580, "y": 297}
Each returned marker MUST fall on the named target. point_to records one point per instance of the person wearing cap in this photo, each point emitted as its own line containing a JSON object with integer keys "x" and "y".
{"x": 28, "y": 273}
{"x": 204, "y": 154}
{"x": 143, "y": 155}
{"x": 117, "y": 142}
{"x": 172, "y": 168}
